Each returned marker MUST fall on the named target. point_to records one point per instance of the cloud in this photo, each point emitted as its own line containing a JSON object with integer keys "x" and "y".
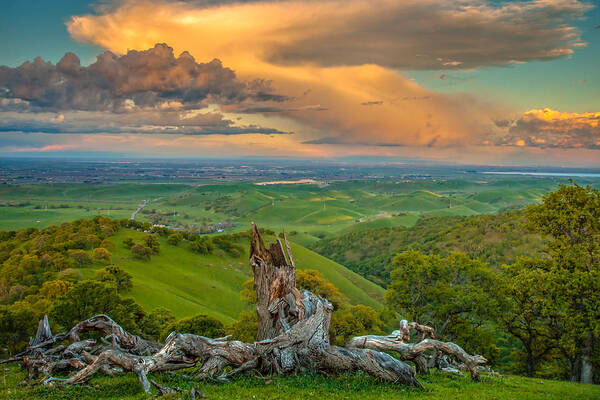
{"x": 410, "y": 34}
{"x": 548, "y": 128}
{"x": 334, "y": 140}
{"x": 138, "y": 79}
{"x": 372, "y": 103}
{"x": 193, "y": 122}
{"x": 37, "y": 149}
{"x": 346, "y": 55}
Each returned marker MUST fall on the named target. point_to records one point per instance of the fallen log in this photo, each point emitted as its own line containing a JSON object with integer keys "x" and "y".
{"x": 414, "y": 352}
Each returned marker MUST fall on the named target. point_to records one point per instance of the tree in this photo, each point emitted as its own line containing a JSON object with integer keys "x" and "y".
{"x": 141, "y": 251}
{"x": 450, "y": 294}
{"x": 55, "y": 289}
{"x": 152, "y": 242}
{"x": 156, "y": 322}
{"x": 245, "y": 327}
{"x": 570, "y": 217}
{"x": 354, "y": 321}
{"x": 202, "y": 245}
{"x": 174, "y": 239}
{"x": 201, "y": 325}
{"x": 100, "y": 254}
{"x": 80, "y": 257}
{"x": 107, "y": 244}
{"x": 17, "y": 322}
{"x": 92, "y": 297}
{"x": 314, "y": 281}
{"x": 128, "y": 242}
{"x": 115, "y": 275}
{"x": 523, "y": 301}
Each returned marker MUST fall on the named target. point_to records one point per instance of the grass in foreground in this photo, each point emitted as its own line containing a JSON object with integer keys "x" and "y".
{"x": 347, "y": 386}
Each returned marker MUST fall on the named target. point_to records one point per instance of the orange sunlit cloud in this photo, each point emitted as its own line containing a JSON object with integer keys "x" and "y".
{"x": 551, "y": 128}
{"x": 365, "y": 101}
{"x": 300, "y": 78}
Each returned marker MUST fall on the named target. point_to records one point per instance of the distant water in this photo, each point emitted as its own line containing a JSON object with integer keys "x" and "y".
{"x": 578, "y": 174}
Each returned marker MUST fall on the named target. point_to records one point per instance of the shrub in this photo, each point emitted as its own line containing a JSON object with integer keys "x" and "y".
{"x": 128, "y": 243}
{"x": 101, "y": 254}
{"x": 156, "y": 322}
{"x": 80, "y": 258}
{"x": 153, "y": 243}
{"x": 201, "y": 325}
{"x": 116, "y": 275}
{"x": 202, "y": 245}
{"x": 174, "y": 239}
{"x": 141, "y": 251}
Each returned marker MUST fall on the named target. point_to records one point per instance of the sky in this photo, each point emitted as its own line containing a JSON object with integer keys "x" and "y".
{"x": 448, "y": 81}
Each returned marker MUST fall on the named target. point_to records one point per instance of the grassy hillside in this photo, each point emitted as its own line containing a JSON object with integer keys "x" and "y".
{"x": 188, "y": 283}
{"x": 496, "y": 239}
{"x": 346, "y": 386}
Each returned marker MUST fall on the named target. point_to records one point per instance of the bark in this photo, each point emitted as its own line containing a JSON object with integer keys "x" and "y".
{"x": 587, "y": 369}
{"x": 293, "y": 336}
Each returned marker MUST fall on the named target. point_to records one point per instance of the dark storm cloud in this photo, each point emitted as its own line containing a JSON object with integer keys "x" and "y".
{"x": 146, "y": 122}
{"x": 137, "y": 79}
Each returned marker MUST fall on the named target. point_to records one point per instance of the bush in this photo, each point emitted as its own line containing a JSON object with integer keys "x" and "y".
{"x": 156, "y": 322}
{"x": 315, "y": 282}
{"x": 128, "y": 243}
{"x": 141, "y": 251}
{"x": 107, "y": 244}
{"x": 88, "y": 298}
{"x": 116, "y": 275}
{"x": 245, "y": 328}
{"x": 174, "y": 239}
{"x": 353, "y": 321}
{"x": 201, "y": 325}
{"x": 100, "y": 254}
{"x": 202, "y": 245}
{"x": 153, "y": 243}
{"x": 80, "y": 258}
{"x": 224, "y": 243}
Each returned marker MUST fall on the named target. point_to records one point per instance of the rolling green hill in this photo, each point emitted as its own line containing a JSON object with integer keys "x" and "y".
{"x": 311, "y": 210}
{"x": 495, "y": 238}
{"x": 188, "y": 283}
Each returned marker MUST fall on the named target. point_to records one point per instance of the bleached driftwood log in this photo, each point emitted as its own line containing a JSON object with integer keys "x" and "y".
{"x": 415, "y": 352}
{"x": 293, "y": 336}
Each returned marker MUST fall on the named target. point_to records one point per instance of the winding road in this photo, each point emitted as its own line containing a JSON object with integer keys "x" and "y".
{"x": 140, "y": 208}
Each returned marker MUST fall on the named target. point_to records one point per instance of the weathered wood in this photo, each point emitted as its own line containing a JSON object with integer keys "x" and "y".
{"x": 415, "y": 351}
{"x": 274, "y": 282}
{"x": 120, "y": 337}
{"x": 43, "y": 332}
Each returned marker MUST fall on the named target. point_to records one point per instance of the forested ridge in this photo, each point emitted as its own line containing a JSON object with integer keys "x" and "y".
{"x": 496, "y": 239}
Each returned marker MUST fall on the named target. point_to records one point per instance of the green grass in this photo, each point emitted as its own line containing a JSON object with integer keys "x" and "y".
{"x": 190, "y": 284}
{"x": 15, "y": 218}
{"x": 309, "y": 386}
{"x": 311, "y": 210}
